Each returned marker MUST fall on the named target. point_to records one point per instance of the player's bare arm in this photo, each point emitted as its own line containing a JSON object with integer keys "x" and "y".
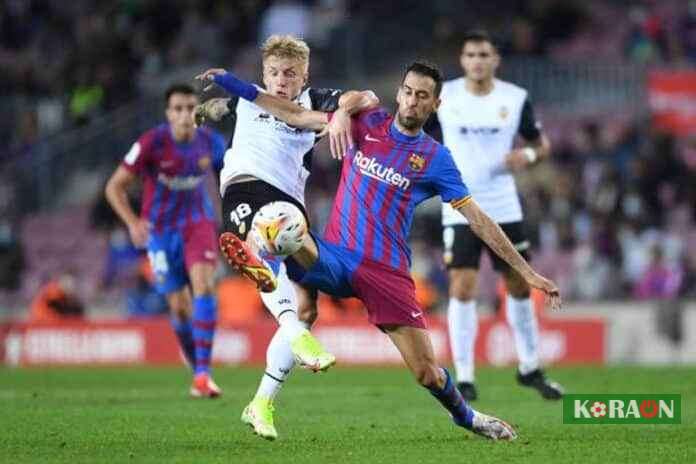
{"x": 292, "y": 113}
{"x": 281, "y": 108}
{"x": 117, "y": 195}
{"x": 491, "y": 233}
{"x": 340, "y": 127}
{"x": 533, "y": 152}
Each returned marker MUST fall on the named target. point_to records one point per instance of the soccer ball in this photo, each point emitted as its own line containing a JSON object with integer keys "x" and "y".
{"x": 279, "y": 228}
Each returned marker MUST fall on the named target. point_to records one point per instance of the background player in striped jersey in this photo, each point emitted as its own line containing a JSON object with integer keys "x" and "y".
{"x": 177, "y": 223}
{"x": 392, "y": 168}
{"x": 269, "y": 161}
{"x": 478, "y": 120}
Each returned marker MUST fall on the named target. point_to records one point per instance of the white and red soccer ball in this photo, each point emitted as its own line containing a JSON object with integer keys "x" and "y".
{"x": 279, "y": 228}
{"x": 598, "y": 409}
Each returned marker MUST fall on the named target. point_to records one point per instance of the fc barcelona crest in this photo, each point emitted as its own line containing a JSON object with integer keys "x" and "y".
{"x": 416, "y": 162}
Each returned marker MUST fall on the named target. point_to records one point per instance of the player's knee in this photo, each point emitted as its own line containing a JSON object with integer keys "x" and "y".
{"x": 462, "y": 286}
{"x": 516, "y": 286}
{"x": 202, "y": 281}
{"x": 179, "y": 308}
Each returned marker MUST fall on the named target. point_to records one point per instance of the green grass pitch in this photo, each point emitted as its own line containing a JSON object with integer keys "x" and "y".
{"x": 348, "y": 415}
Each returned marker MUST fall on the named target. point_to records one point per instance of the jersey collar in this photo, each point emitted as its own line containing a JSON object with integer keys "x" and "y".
{"x": 401, "y": 137}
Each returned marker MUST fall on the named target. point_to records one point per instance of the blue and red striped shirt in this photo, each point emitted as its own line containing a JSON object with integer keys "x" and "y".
{"x": 383, "y": 178}
{"x": 173, "y": 173}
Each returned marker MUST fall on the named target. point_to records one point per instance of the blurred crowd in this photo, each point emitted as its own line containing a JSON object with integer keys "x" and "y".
{"x": 70, "y": 61}
{"x": 613, "y": 212}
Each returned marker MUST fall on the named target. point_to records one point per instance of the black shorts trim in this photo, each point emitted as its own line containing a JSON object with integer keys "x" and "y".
{"x": 243, "y": 199}
{"x": 463, "y": 248}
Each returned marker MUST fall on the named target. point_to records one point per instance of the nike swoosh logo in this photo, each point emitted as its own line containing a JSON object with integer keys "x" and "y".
{"x": 369, "y": 138}
{"x": 416, "y": 314}
{"x": 209, "y": 254}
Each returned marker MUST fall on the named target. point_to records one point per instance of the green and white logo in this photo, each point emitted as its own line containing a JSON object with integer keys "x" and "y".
{"x": 621, "y": 409}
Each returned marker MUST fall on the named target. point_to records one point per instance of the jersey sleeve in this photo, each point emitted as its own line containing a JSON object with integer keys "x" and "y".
{"x": 325, "y": 100}
{"x": 231, "y": 117}
{"x": 529, "y": 127}
{"x": 366, "y": 120}
{"x": 447, "y": 180}
{"x": 232, "y": 106}
{"x": 140, "y": 154}
{"x": 372, "y": 117}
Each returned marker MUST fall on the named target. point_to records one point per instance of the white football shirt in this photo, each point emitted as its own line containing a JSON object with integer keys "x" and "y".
{"x": 480, "y": 131}
{"x": 268, "y": 149}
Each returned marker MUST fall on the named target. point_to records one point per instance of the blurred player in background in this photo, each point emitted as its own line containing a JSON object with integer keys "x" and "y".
{"x": 269, "y": 160}
{"x": 177, "y": 223}
{"x": 478, "y": 120}
{"x": 392, "y": 168}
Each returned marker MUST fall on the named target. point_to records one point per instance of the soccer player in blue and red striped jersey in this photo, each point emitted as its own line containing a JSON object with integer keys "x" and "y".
{"x": 177, "y": 223}
{"x": 392, "y": 167}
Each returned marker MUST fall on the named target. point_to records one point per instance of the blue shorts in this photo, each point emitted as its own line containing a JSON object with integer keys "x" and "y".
{"x": 172, "y": 253}
{"x": 389, "y": 294}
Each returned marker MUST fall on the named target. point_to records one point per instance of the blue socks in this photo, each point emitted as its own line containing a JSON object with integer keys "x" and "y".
{"x": 184, "y": 333}
{"x": 204, "y": 319}
{"x": 451, "y": 399}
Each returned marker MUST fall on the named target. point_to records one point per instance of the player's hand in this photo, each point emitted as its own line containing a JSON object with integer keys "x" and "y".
{"x": 340, "y": 134}
{"x": 139, "y": 232}
{"x": 516, "y": 160}
{"x": 209, "y": 75}
{"x": 210, "y": 110}
{"x": 548, "y": 287}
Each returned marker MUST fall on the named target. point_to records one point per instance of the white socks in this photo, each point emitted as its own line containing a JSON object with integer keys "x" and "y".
{"x": 282, "y": 303}
{"x": 522, "y": 319}
{"x": 463, "y": 326}
{"x": 279, "y": 363}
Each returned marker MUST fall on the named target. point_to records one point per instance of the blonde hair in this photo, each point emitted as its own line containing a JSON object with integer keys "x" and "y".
{"x": 285, "y": 46}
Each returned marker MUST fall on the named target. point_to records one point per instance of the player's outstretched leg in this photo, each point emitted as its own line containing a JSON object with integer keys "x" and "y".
{"x": 417, "y": 351}
{"x": 281, "y": 300}
{"x": 243, "y": 259}
{"x": 279, "y": 363}
{"x": 283, "y": 304}
{"x": 259, "y": 412}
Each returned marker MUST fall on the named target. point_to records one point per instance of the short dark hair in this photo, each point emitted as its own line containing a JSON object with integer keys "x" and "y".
{"x": 426, "y": 68}
{"x": 478, "y": 35}
{"x": 185, "y": 89}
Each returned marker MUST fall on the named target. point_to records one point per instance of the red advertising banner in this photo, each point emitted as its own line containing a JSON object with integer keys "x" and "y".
{"x": 352, "y": 340}
{"x": 672, "y": 100}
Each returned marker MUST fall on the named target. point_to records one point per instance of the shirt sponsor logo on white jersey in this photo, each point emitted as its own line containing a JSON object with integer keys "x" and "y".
{"x": 479, "y": 130}
{"x": 373, "y": 168}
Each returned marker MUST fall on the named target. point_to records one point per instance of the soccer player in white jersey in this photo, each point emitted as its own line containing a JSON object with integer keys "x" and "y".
{"x": 479, "y": 118}
{"x": 269, "y": 160}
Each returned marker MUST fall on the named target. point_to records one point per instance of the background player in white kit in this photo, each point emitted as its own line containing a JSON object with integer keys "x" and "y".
{"x": 479, "y": 118}
{"x": 269, "y": 161}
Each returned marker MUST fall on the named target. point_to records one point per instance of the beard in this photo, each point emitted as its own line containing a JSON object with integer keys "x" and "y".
{"x": 410, "y": 122}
